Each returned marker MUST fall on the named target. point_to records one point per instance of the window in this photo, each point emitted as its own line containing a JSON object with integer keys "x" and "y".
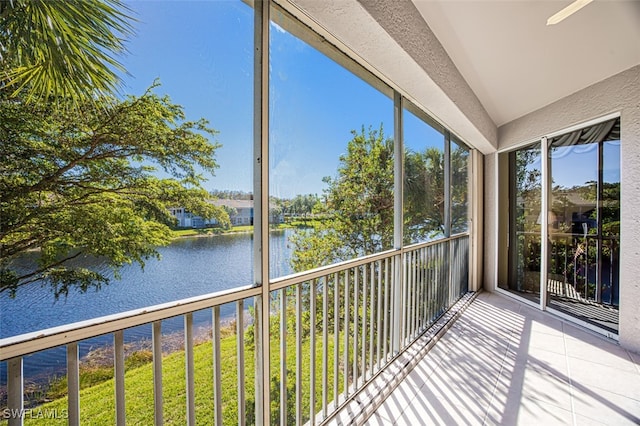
{"x": 201, "y": 55}
{"x": 331, "y": 151}
{"x": 581, "y": 247}
{"x": 424, "y": 177}
{"x": 459, "y": 187}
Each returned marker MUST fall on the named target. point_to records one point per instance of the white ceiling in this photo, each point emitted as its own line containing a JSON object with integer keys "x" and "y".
{"x": 517, "y": 64}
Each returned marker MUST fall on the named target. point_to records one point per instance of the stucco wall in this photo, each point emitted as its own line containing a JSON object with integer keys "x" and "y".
{"x": 425, "y": 49}
{"x": 620, "y": 93}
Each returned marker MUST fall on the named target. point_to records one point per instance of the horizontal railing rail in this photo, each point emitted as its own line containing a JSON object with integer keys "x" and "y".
{"x": 24, "y": 344}
{"x": 581, "y": 267}
{"x": 334, "y": 328}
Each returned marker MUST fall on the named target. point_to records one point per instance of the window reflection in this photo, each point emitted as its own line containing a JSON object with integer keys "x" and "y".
{"x": 424, "y": 179}
{"x": 459, "y": 187}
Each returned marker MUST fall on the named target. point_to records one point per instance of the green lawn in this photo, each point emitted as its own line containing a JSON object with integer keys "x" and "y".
{"x": 242, "y": 228}
{"x": 97, "y": 401}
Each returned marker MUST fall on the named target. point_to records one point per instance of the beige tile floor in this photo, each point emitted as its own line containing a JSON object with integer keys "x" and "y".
{"x": 505, "y": 363}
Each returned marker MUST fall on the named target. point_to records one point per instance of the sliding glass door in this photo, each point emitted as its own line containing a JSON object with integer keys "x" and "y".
{"x": 584, "y": 224}
{"x": 525, "y": 195}
{"x": 571, "y": 259}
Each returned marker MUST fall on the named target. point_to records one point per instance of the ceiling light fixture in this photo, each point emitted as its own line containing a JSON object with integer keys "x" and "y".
{"x": 568, "y": 11}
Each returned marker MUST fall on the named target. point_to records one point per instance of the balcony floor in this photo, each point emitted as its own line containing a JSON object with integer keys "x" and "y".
{"x": 503, "y": 362}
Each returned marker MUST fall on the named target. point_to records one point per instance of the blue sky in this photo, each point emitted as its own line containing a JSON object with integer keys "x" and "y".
{"x": 202, "y": 53}
{"x": 576, "y": 165}
{"x": 203, "y": 56}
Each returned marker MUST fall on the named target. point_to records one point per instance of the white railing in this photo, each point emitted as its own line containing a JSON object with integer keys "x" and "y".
{"x": 333, "y": 329}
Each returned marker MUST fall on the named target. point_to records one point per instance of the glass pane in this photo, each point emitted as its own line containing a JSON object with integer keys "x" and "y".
{"x": 200, "y": 54}
{"x": 611, "y": 223}
{"x": 573, "y": 218}
{"x": 585, "y": 226}
{"x": 524, "y": 222}
{"x": 459, "y": 188}
{"x": 331, "y": 155}
{"x": 423, "y": 179}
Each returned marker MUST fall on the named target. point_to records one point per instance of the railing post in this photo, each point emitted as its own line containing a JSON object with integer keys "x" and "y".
{"x": 15, "y": 387}
{"x": 73, "y": 384}
{"x": 118, "y": 368}
{"x": 240, "y": 351}
{"x": 217, "y": 369}
{"x": 156, "y": 339}
{"x": 447, "y": 184}
{"x": 189, "y": 369}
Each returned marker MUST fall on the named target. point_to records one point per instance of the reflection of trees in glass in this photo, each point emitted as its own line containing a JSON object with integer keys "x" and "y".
{"x": 575, "y": 257}
{"x": 359, "y": 201}
{"x": 459, "y": 189}
{"x": 526, "y": 211}
{"x": 528, "y": 189}
{"x": 610, "y": 213}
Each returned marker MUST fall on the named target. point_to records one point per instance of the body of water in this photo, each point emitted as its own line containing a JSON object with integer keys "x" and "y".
{"x": 188, "y": 267}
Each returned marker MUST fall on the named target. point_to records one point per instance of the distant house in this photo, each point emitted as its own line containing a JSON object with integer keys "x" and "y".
{"x": 186, "y": 219}
{"x": 242, "y": 214}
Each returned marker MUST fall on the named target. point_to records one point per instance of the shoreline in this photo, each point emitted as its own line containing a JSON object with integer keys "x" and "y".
{"x": 215, "y": 232}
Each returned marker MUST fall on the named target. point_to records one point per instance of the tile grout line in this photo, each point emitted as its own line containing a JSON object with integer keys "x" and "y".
{"x": 502, "y": 363}
{"x": 566, "y": 357}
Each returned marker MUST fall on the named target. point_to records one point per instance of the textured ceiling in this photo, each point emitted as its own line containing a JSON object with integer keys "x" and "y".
{"x": 517, "y": 64}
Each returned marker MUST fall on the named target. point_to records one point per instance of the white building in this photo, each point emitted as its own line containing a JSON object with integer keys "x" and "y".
{"x": 241, "y": 214}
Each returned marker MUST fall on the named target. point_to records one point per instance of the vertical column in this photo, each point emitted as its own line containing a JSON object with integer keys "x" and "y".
{"x": 475, "y": 212}
{"x": 447, "y": 184}
{"x": 544, "y": 216}
{"x": 398, "y": 182}
{"x": 261, "y": 206}
{"x": 447, "y": 215}
{"x": 600, "y": 241}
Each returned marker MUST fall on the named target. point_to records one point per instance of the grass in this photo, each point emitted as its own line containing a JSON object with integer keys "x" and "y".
{"x": 179, "y": 233}
{"x": 97, "y": 396}
{"x": 309, "y": 223}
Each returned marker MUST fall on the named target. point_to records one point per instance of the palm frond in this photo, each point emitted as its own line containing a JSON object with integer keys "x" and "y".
{"x": 62, "y": 48}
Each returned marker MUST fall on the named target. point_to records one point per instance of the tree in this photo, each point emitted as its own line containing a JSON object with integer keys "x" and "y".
{"x": 359, "y": 202}
{"x": 424, "y": 194}
{"x": 62, "y": 48}
{"x": 81, "y": 182}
